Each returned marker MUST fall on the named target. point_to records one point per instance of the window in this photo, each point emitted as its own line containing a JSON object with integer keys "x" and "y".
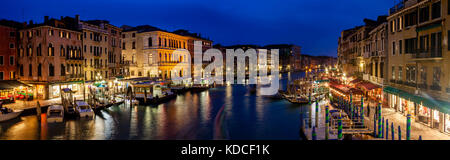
{"x": 410, "y": 45}
{"x": 123, "y": 35}
{"x": 400, "y": 72}
{"x": 134, "y": 45}
{"x": 1, "y": 61}
{"x": 400, "y": 47}
{"x": 436, "y": 76}
{"x": 11, "y": 45}
{"x": 150, "y": 42}
{"x": 393, "y": 48}
{"x": 39, "y": 70}
{"x": 424, "y": 14}
{"x": 436, "y": 10}
{"x": 51, "y": 51}
{"x": 30, "y": 70}
{"x": 423, "y": 75}
{"x": 411, "y": 19}
{"x": 1, "y": 76}
{"x": 39, "y": 50}
{"x": 12, "y": 34}
{"x": 51, "y": 70}
{"x": 21, "y": 70}
{"x": 411, "y": 74}
{"x": 29, "y": 51}
{"x": 63, "y": 70}
{"x": 134, "y": 35}
{"x": 50, "y": 32}
{"x": 159, "y": 41}
{"x": 436, "y": 44}
{"x": 11, "y": 60}
{"x": 123, "y": 45}
{"x": 62, "y": 51}
{"x": 424, "y": 44}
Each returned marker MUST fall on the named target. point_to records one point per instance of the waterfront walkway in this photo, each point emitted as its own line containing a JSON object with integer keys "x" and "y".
{"x": 417, "y": 129}
{"x": 24, "y": 105}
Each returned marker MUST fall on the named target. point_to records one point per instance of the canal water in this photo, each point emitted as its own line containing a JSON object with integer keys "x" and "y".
{"x": 230, "y": 112}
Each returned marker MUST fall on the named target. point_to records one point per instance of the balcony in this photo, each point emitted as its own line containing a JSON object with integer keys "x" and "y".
{"x": 428, "y": 55}
{"x": 410, "y": 84}
{"x": 435, "y": 87}
{"x": 423, "y": 86}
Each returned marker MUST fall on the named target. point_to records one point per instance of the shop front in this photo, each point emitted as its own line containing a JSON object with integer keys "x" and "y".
{"x": 55, "y": 89}
{"x": 429, "y": 112}
{"x": 12, "y": 90}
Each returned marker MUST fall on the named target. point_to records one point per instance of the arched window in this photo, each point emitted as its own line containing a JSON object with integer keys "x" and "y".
{"x": 159, "y": 38}
{"x": 51, "y": 51}
{"x": 62, "y": 51}
{"x": 30, "y": 70}
{"x": 150, "y": 42}
{"x": 63, "y": 70}
{"x": 39, "y": 50}
{"x": 51, "y": 70}
{"x": 165, "y": 42}
{"x": 39, "y": 70}
{"x": 165, "y": 57}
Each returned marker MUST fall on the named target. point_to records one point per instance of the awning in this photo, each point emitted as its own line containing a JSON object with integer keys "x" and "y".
{"x": 367, "y": 86}
{"x": 356, "y": 81}
{"x": 423, "y": 99}
{"x": 11, "y": 84}
{"x": 346, "y": 89}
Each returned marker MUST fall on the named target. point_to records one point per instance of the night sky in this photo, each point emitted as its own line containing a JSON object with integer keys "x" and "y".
{"x": 313, "y": 24}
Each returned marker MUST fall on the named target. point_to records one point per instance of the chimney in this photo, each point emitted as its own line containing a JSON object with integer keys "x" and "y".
{"x": 45, "y": 19}
{"x": 77, "y": 17}
{"x": 31, "y": 22}
{"x": 62, "y": 18}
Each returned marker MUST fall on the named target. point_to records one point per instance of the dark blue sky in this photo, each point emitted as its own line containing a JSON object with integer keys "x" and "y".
{"x": 313, "y": 24}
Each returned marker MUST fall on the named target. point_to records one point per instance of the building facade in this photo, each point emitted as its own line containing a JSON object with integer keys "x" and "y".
{"x": 290, "y": 56}
{"x": 419, "y": 59}
{"x": 149, "y": 52}
{"x": 50, "y": 57}
{"x": 8, "y": 49}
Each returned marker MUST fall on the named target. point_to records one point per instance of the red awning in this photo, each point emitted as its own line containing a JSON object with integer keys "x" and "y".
{"x": 367, "y": 86}
{"x": 356, "y": 81}
{"x": 346, "y": 89}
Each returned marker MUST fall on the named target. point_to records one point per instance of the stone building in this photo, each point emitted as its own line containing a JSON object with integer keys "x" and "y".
{"x": 149, "y": 52}
{"x": 351, "y": 45}
{"x": 419, "y": 59}
{"x": 50, "y": 56}
{"x": 8, "y": 48}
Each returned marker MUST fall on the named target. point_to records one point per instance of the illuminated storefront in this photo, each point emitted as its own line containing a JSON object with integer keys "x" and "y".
{"x": 55, "y": 89}
{"x": 11, "y": 90}
{"x": 429, "y": 112}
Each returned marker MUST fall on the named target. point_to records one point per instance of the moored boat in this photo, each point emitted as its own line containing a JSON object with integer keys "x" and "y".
{"x": 9, "y": 114}
{"x": 55, "y": 113}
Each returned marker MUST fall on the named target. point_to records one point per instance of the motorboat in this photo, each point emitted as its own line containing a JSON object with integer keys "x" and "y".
{"x": 84, "y": 109}
{"x": 8, "y": 114}
{"x": 55, "y": 113}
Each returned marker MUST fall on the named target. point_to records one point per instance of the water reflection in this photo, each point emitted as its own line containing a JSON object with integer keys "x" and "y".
{"x": 189, "y": 116}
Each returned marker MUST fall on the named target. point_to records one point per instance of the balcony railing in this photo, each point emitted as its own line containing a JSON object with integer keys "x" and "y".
{"x": 435, "y": 87}
{"x": 411, "y": 84}
{"x": 397, "y": 7}
{"x": 423, "y": 86}
{"x": 429, "y": 54}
